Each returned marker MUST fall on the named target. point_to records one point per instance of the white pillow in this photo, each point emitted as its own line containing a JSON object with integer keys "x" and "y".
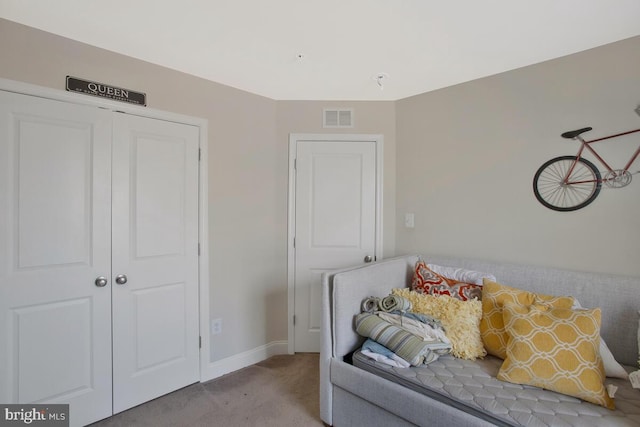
{"x": 611, "y": 366}
{"x": 639, "y": 338}
{"x": 634, "y": 376}
{"x": 461, "y": 274}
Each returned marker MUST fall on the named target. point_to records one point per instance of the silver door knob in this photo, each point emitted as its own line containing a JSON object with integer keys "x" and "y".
{"x": 101, "y": 282}
{"x": 368, "y": 258}
{"x": 121, "y": 279}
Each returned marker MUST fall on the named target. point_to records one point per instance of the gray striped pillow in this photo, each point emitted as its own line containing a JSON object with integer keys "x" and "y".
{"x": 402, "y": 343}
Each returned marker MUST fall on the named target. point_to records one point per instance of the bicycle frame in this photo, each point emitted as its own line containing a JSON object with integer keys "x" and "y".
{"x": 586, "y": 144}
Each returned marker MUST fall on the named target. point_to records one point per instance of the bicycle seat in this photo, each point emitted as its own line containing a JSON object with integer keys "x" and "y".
{"x": 573, "y": 133}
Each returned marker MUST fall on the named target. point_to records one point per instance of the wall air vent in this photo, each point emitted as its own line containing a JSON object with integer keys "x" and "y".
{"x": 337, "y": 118}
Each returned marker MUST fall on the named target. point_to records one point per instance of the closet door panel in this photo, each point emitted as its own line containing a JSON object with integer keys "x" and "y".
{"x": 155, "y": 245}
{"x": 159, "y": 198}
{"x": 55, "y": 240}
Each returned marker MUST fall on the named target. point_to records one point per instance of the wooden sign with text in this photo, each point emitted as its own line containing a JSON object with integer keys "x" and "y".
{"x": 89, "y": 87}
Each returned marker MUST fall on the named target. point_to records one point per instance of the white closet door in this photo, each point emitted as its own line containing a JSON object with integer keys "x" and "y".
{"x": 55, "y": 231}
{"x": 155, "y": 245}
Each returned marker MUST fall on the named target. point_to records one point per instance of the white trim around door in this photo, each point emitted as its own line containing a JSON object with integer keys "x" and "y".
{"x": 294, "y": 139}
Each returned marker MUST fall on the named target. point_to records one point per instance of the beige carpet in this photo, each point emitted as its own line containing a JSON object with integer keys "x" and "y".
{"x": 281, "y": 391}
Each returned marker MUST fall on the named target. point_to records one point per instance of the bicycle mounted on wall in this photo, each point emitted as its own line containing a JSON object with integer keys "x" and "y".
{"x": 569, "y": 183}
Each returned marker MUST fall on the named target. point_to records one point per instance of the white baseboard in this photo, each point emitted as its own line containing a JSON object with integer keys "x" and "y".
{"x": 233, "y": 363}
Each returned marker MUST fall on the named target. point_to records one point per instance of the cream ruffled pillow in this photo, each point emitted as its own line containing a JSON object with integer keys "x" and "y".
{"x": 460, "y": 320}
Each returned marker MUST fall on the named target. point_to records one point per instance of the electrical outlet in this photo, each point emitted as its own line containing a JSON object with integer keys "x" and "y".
{"x": 216, "y": 326}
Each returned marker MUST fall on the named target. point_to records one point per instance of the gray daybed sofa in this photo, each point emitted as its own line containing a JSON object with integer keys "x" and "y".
{"x": 455, "y": 392}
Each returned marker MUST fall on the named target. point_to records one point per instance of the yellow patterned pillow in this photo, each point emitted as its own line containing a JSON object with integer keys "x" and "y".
{"x": 494, "y": 296}
{"x": 556, "y": 349}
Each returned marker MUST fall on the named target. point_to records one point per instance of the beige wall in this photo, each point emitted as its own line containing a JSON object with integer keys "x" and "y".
{"x": 248, "y": 155}
{"x": 247, "y": 243}
{"x": 466, "y": 156}
{"x": 462, "y": 159}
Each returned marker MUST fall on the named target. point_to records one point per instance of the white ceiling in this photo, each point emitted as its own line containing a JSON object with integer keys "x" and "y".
{"x": 422, "y": 45}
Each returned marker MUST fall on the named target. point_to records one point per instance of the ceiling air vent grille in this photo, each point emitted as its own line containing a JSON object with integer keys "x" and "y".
{"x": 338, "y": 118}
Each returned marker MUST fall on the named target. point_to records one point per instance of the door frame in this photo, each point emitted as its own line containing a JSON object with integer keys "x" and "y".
{"x": 203, "y": 206}
{"x": 294, "y": 138}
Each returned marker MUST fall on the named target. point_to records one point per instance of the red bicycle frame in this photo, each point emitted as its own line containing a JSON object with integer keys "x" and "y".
{"x": 586, "y": 144}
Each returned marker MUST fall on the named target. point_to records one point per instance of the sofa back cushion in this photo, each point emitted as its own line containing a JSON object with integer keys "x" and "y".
{"x": 618, "y": 297}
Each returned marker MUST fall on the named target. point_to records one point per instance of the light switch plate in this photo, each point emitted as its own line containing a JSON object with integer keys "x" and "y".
{"x": 216, "y": 326}
{"x": 409, "y": 220}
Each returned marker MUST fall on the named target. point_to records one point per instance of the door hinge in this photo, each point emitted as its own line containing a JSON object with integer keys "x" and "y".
{"x": 200, "y": 341}
{"x": 198, "y": 249}
{"x": 295, "y": 164}
{"x": 199, "y": 154}
{"x": 294, "y": 319}
{"x": 294, "y": 243}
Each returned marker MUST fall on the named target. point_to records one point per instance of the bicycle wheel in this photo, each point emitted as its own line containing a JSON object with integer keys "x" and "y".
{"x": 552, "y": 192}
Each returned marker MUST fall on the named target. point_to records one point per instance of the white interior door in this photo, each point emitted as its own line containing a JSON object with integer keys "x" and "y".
{"x": 55, "y": 231}
{"x": 155, "y": 245}
{"x": 335, "y": 222}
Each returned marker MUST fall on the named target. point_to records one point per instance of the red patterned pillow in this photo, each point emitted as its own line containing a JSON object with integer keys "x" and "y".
{"x": 426, "y": 281}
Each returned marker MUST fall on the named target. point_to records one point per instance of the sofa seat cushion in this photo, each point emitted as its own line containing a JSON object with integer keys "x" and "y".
{"x": 393, "y": 398}
{"x": 472, "y": 387}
